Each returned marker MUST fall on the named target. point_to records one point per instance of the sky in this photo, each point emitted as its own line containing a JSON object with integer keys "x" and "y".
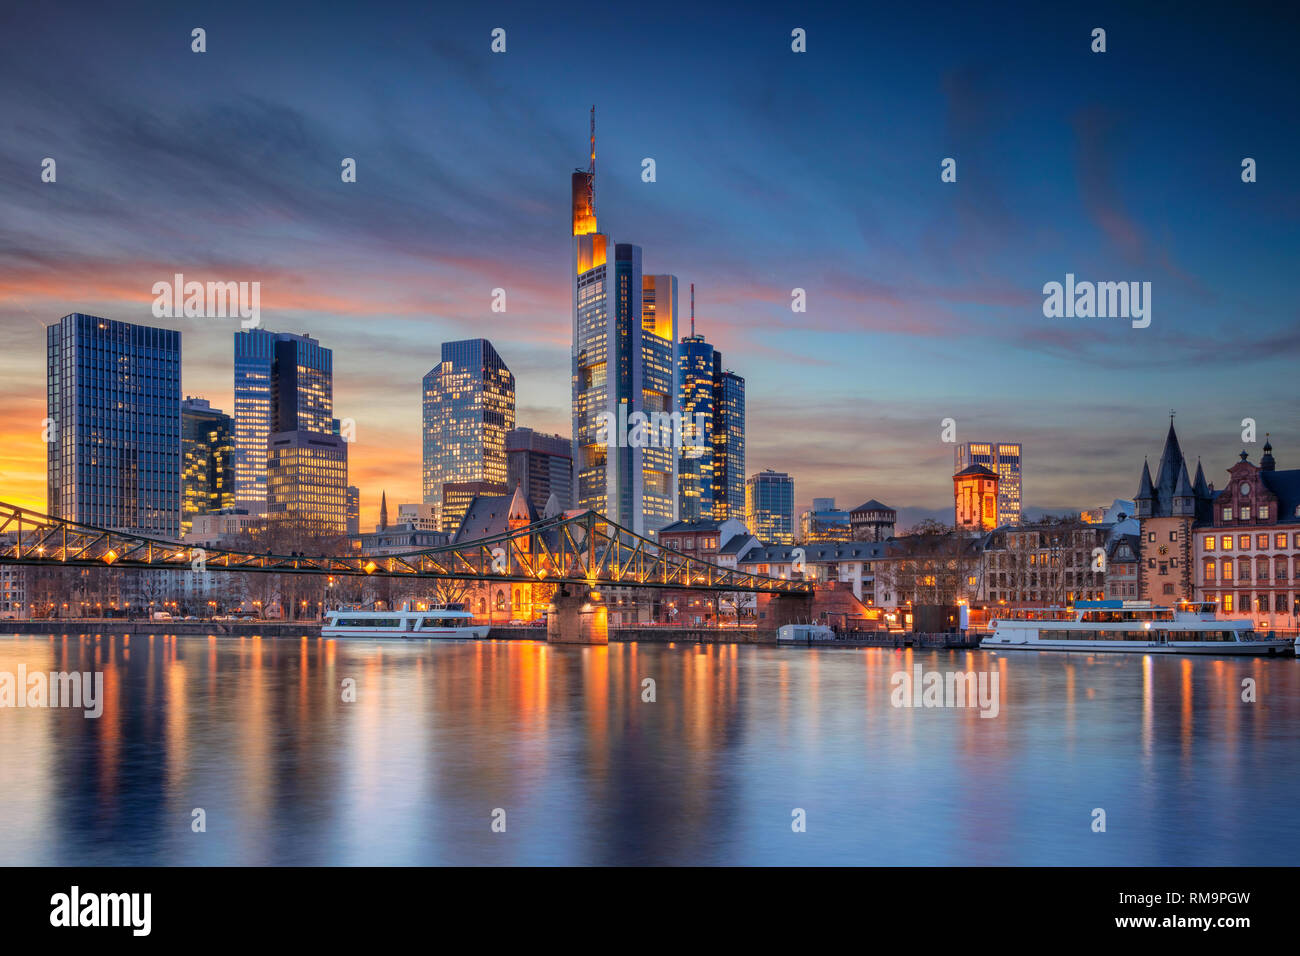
{"x": 775, "y": 170}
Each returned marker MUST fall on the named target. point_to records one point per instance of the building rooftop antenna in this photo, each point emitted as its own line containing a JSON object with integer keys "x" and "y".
{"x": 692, "y": 310}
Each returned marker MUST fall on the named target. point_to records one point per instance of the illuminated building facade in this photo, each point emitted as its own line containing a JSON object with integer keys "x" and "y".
{"x": 457, "y": 496}
{"x": 624, "y": 366}
{"x": 711, "y": 469}
{"x": 541, "y": 466}
{"x": 1246, "y": 543}
{"x": 469, "y": 407}
{"x": 824, "y": 523}
{"x": 769, "y": 507}
{"x": 283, "y": 383}
{"x": 728, "y": 442}
{"x": 1003, "y": 459}
{"x": 307, "y": 482}
{"x": 975, "y": 495}
{"x": 114, "y": 403}
{"x": 207, "y": 461}
{"x": 695, "y": 367}
{"x": 352, "y": 518}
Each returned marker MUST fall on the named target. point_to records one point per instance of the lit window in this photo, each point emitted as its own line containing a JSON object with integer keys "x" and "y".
{"x": 1209, "y": 543}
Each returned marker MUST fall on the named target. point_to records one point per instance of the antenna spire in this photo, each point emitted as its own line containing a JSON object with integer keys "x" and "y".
{"x": 692, "y": 310}
{"x": 592, "y": 168}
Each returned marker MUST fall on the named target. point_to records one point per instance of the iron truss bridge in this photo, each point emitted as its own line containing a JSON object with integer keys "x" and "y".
{"x": 585, "y": 549}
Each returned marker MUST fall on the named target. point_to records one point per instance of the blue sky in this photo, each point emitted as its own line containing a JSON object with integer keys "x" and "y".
{"x": 775, "y": 170}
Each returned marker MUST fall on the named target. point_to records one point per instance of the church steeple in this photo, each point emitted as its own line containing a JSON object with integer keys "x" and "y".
{"x": 383, "y": 511}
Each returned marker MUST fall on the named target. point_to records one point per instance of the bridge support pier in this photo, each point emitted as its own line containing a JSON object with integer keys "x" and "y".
{"x": 577, "y": 615}
{"x": 782, "y": 609}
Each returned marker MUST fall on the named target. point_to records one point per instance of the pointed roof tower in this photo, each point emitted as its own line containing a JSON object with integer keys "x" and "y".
{"x": 1171, "y": 461}
{"x": 518, "y": 511}
{"x": 1199, "y": 485}
{"x": 1145, "y": 491}
{"x": 383, "y": 510}
{"x": 1267, "y": 463}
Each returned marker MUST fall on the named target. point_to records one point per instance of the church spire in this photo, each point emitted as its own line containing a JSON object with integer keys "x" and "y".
{"x": 383, "y": 511}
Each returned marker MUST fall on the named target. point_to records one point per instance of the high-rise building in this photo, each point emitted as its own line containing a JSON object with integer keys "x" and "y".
{"x": 307, "y": 482}
{"x": 541, "y": 465}
{"x": 114, "y": 403}
{"x": 283, "y": 383}
{"x": 207, "y": 460}
{"x": 695, "y": 397}
{"x": 353, "y": 513}
{"x": 469, "y": 406}
{"x": 1003, "y": 459}
{"x": 769, "y": 506}
{"x": 728, "y": 442}
{"x": 624, "y": 370}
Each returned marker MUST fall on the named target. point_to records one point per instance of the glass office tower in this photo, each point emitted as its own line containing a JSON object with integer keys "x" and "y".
{"x": 695, "y": 391}
{"x": 469, "y": 406}
{"x": 769, "y": 507}
{"x": 283, "y": 383}
{"x": 624, "y": 366}
{"x": 114, "y": 399}
{"x": 207, "y": 460}
{"x": 728, "y": 442}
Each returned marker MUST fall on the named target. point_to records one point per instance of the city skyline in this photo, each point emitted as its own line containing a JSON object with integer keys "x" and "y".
{"x": 902, "y": 271}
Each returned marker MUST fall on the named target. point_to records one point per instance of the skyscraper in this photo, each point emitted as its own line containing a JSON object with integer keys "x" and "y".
{"x": 695, "y": 393}
{"x": 711, "y": 472}
{"x": 469, "y": 406}
{"x": 283, "y": 383}
{"x": 624, "y": 370}
{"x": 728, "y": 442}
{"x": 207, "y": 460}
{"x": 540, "y": 465}
{"x": 114, "y": 403}
{"x": 353, "y": 510}
{"x": 769, "y": 506}
{"x": 307, "y": 481}
{"x": 1003, "y": 459}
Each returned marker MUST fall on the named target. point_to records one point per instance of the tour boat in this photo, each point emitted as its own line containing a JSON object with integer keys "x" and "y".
{"x": 1134, "y": 627}
{"x": 445, "y": 621}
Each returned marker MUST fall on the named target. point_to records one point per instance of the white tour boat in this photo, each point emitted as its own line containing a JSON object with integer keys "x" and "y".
{"x": 1135, "y": 627}
{"x": 446, "y": 621}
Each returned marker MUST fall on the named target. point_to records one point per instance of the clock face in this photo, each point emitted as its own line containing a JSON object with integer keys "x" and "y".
{"x": 1164, "y": 549}
{"x": 1245, "y": 488}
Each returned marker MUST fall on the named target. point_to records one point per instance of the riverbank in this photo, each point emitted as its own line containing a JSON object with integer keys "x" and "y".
{"x": 624, "y": 635}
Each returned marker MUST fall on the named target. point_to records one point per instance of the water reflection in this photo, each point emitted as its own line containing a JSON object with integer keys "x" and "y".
{"x": 259, "y": 734}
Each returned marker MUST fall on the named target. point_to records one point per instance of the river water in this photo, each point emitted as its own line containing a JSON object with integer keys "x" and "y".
{"x": 521, "y": 752}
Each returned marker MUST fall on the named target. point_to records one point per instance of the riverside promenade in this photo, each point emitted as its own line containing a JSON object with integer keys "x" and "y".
{"x": 647, "y": 634}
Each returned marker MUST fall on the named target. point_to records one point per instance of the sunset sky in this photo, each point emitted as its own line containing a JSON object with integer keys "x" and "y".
{"x": 775, "y": 170}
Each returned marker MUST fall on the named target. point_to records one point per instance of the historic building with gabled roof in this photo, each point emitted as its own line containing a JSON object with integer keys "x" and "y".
{"x": 1167, "y": 509}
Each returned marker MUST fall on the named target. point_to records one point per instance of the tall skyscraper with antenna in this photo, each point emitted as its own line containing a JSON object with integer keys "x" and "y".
{"x": 624, "y": 363}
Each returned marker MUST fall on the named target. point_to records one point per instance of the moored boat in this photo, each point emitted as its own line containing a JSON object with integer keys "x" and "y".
{"x": 444, "y": 621}
{"x": 1135, "y": 627}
